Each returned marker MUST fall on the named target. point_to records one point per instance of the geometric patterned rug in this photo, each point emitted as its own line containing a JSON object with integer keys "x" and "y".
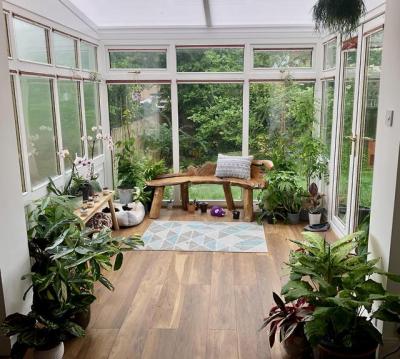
{"x": 205, "y": 236}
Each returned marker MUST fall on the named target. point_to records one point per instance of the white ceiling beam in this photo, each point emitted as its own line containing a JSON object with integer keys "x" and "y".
{"x": 207, "y": 12}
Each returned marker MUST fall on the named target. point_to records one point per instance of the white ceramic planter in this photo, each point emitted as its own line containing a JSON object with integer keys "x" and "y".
{"x": 314, "y": 218}
{"x": 54, "y": 353}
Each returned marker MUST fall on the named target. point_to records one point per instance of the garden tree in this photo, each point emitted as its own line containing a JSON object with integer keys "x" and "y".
{"x": 282, "y": 116}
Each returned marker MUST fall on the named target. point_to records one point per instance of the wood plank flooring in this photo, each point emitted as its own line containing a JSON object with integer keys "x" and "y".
{"x": 187, "y": 305}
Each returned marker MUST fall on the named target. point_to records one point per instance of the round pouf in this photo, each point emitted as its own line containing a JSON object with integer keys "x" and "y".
{"x": 131, "y": 217}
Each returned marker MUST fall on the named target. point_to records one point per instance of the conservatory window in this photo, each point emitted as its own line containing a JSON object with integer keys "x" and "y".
{"x": 70, "y": 117}
{"x": 210, "y": 122}
{"x": 143, "y": 111}
{"x": 210, "y": 59}
{"x": 92, "y": 116}
{"x": 328, "y": 92}
{"x": 65, "y": 51}
{"x": 88, "y": 56}
{"x": 138, "y": 59}
{"x": 278, "y": 58}
{"x": 330, "y": 55}
{"x": 31, "y": 41}
{"x": 37, "y": 100}
{"x": 276, "y": 109}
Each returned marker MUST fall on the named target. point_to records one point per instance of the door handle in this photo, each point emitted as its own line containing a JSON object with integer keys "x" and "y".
{"x": 352, "y": 138}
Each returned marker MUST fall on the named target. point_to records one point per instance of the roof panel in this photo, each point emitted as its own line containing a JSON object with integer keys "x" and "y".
{"x": 178, "y": 13}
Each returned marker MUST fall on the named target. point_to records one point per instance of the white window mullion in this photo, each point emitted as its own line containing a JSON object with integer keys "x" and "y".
{"x": 82, "y": 97}
{"x": 57, "y": 118}
{"x": 22, "y": 131}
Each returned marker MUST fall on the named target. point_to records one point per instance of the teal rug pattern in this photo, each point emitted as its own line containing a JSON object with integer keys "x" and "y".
{"x": 205, "y": 236}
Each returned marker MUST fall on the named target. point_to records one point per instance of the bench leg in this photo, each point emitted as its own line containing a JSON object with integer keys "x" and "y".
{"x": 113, "y": 216}
{"x": 248, "y": 204}
{"x": 228, "y": 197}
{"x": 185, "y": 196}
{"x": 157, "y": 202}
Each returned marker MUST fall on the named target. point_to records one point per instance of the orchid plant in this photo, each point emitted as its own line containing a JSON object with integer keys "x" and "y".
{"x": 76, "y": 180}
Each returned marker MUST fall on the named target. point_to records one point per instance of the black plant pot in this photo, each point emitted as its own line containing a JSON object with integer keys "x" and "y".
{"x": 236, "y": 214}
{"x": 270, "y": 219}
{"x": 203, "y": 207}
{"x": 86, "y": 191}
{"x": 327, "y": 351}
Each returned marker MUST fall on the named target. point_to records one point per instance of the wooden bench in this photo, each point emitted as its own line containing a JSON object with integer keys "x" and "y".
{"x": 205, "y": 175}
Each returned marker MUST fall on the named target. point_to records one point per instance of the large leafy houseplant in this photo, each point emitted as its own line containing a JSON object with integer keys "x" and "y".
{"x": 344, "y": 289}
{"x": 67, "y": 262}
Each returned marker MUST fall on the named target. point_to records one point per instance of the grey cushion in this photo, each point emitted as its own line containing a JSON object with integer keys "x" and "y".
{"x": 234, "y": 166}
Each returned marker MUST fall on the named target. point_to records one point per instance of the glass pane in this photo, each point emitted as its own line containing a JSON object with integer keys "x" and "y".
{"x": 64, "y": 51}
{"x": 209, "y": 59}
{"x": 143, "y": 111}
{"x": 39, "y": 123}
{"x": 8, "y": 34}
{"x": 88, "y": 57}
{"x": 328, "y": 93}
{"x": 370, "y": 114}
{"x": 210, "y": 122}
{"x": 92, "y": 116}
{"x": 31, "y": 41}
{"x": 275, "y": 59}
{"x": 330, "y": 55}
{"x": 138, "y": 59}
{"x": 273, "y": 112}
{"x": 70, "y": 117}
{"x": 346, "y": 133}
{"x": 18, "y": 135}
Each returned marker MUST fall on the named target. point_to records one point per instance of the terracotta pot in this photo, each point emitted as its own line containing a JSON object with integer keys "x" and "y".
{"x": 53, "y": 353}
{"x": 191, "y": 207}
{"x": 325, "y": 352}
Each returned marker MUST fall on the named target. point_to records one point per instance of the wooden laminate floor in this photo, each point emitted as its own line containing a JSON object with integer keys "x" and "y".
{"x": 187, "y": 305}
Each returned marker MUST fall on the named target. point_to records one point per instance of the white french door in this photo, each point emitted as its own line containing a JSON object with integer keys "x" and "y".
{"x": 356, "y": 127}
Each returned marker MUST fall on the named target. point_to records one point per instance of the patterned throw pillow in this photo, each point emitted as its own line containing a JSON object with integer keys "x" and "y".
{"x": 234, "y": 166}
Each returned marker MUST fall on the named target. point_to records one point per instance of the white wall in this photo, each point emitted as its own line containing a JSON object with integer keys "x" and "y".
{"x": 14, "y": 256}
{"x": 385, "y": 216}
{"x": 53, "y": 10}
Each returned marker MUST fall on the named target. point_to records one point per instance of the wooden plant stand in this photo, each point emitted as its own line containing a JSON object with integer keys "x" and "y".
{"x": 103, "y": 200}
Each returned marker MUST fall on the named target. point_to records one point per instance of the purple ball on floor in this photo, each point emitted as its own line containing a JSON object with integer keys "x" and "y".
{"x": 217, "y": 211}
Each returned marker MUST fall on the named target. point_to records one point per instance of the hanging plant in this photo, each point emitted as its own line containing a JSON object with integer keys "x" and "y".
{"x": 338, "y": 15}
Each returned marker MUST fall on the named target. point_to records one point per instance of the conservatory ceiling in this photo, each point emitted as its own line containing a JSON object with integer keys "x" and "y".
{"x": 200, "y": 13}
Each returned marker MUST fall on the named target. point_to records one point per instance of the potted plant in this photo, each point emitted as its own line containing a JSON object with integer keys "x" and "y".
{"x": 291, "y": 195}
{"x": 66, "y": 263}
{"x": 151, "y": 170}
{"x": 38, "y": 332}
{"x": 288, "y": 320}
{"x": 129, "y": 170}
{"x": 347, "y": 296}
{"x": 338, "y": 15}
{"x": 314, "y": 204}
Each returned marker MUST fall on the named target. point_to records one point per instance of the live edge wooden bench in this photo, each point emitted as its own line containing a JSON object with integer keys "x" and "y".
{"x": 205, "y": 175}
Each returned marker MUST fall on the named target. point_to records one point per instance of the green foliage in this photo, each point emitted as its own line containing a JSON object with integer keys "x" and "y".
{"x": 67, "y": 261}
{"x": 129, "y": 164}
{"x": 344, "y": 289}
{"x": 338, "y": 15}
